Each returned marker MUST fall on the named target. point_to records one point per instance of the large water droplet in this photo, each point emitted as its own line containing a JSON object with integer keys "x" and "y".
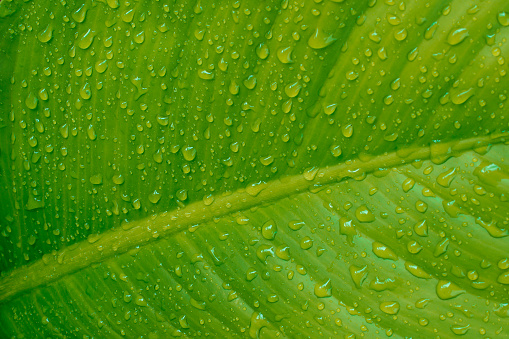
{"x": 319, "y": 39}
{"x": 86, "y": 39}
{"x": 456, "y": 36}
{"x": 384, "y": 252}
{"x": 448, "y": 290}
{"x": 324, "y": 289}
{"x": 46, "y": 34}
{"x": 363, "y": 214}
{"x": 389, "y": 307}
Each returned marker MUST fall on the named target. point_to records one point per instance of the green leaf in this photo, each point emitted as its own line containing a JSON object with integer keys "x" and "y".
{"x": 279, "y": 169}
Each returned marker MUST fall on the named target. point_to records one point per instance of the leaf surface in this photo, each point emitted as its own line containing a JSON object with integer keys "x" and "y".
{"x": 282, "y": 169}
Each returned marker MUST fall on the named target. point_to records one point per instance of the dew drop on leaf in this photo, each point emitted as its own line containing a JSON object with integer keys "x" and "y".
{"x": 323, "y": 289}
{"x": 46, "y": 34}
{"x": 389, "y": 307}
{"x": 319, "y": 39}
{"x": 383, "y": 251}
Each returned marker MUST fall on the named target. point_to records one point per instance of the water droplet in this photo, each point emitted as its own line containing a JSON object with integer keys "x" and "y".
{"x": 80, "y": 14}
{"x": 292, "y": 90}
{"x": 46, "y": 34}
{"x": 319, "y": 39}
{"x": 375, "y": 37}
{"x": 258, "y": 322}
{"x": 445, "y": 179}
{"x": 113, "y": 3}
{"x": 96, "y": 179}
{"x": 336, "y": 150}
{"x": 503, "y": 18}
{"x": 154, "y": 197}
{"x": 283, "y": 252}
{"x": 181, "y": 194}
{"x": 267, "y": 160}
{"x": 382, "y": 285}
{"x": 347, "y": 131}
{"x": 408, "y": 184}
{"x": 324, "y": 289}
{"x": 389, "y": 307}
{"x": 441, "y": 247}
{"x": 101, "y": 66}
{"x": 32, "y": 141}
{"x": 448, "y": 290}
{"x": 503, "y": 278}
{"x": 384, "y": 252}
{"x": 296, "y": 225}
{"x": 311, "y": 173}
{"x": 352, "y": 75}
{"x": 85, "y": 92}
{"x": 31, "y": 101}
{"x": 430, "y": 31}
{"x": 262, "y": 51}
{"x": 250, "y": 82}
{"x": 43, "y": 94}
{"x": 401, "y": 34}
{"x": 421, "y": 228}
{"x": 393, "y": 19}
{"x": 460, "y": 330}
{"x": 139, "y": 38}
{"x": 363, "y": 214}
{"x": 189, "y": 153}
{"x": 128, "y": 15}
{"x": 462, "y": 96}
{"x": 306, "y": 243}
{"x": 208, "y": 200}
{"x": 91, "y": 132}
{"x": 206, "y": 75}
{"x": 269, "y": 230}
{"x": 86, "y": 39}
{"x": 456, "y": 36}
{"x": 417, "y": 271}
{"x": 118, "y": 179}
{"x": 285, "y": 55}
{"x": 358, "y": 274}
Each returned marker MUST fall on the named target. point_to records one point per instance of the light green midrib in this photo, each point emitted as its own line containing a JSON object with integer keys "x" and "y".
{"x": 138, "y": 233}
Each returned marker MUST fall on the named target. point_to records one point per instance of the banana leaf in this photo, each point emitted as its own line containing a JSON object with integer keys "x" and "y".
{"x": 275, "y": 169}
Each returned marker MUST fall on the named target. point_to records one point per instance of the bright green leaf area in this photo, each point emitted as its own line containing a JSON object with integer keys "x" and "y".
{"x": 298, "y": 169}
